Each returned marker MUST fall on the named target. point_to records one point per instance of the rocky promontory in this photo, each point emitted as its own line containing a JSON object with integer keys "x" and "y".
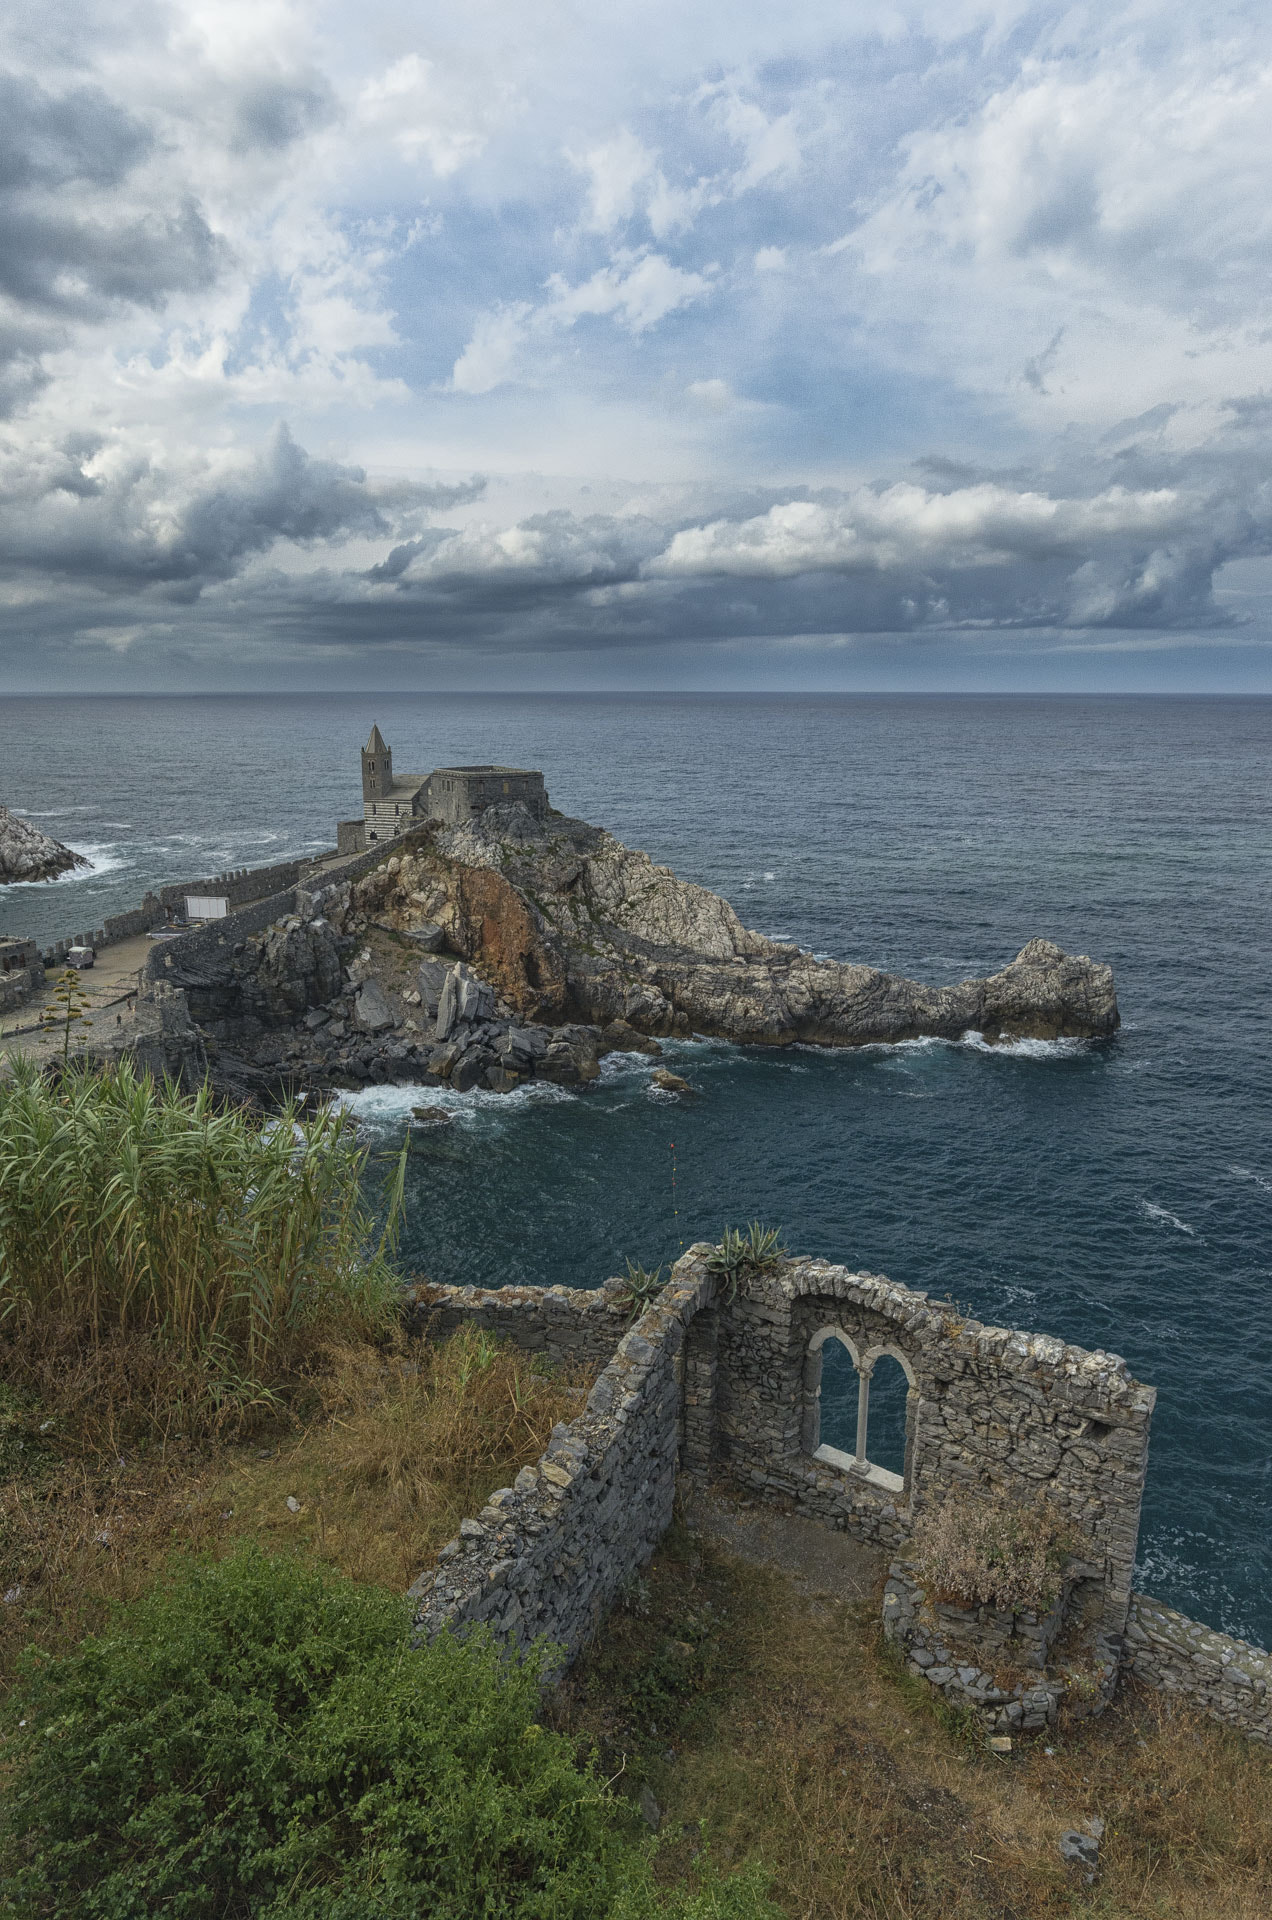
{"x": 28, "y": 854}
{"x": 514, "y": 948}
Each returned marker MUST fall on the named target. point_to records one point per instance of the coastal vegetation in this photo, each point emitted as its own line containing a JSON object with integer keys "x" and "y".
{"x": 221, "y": 1464}
{"x": 234, "y": 1246}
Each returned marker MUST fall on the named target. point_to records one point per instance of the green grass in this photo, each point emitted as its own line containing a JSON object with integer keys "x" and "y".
{"x": 130, "y": 1208}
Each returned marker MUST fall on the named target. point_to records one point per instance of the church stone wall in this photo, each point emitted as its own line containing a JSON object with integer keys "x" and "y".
{"x": 1014, "y": 1414}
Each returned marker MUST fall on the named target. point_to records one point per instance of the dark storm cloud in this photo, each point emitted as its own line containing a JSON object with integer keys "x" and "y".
{"x": 73, "y": 244}
{"x": 145, "y": 527}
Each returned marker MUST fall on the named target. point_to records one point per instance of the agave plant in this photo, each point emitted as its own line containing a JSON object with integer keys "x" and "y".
{"x": 640, "y": 1289}
{"x": 739, "y": 1255}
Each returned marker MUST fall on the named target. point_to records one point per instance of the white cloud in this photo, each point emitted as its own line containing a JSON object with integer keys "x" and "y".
{"x": 906, "y": 525}
{"x": 637, "y": 289}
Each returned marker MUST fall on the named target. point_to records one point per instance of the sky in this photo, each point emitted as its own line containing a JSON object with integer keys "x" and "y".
{"x": 484, "y": 344}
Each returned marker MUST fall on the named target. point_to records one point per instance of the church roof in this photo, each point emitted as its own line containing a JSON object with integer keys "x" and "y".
{"x": 376, "y": 743}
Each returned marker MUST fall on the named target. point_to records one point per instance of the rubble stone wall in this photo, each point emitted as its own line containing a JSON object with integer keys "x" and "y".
{"x": 1224, "y": 1678}
{"x": 1015, "y": 1414}
{"x": 704, "y": 1384}
{"x": 548, "y": 1556}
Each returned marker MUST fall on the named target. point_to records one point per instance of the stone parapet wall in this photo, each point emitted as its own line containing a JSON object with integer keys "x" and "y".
{"x": 1226, "y": 1679}
{"x": 210, "y": 940}
{"x": 569, "y": 1325}
{"x": 548, "y": 1556}
{"x": 240, "y": 886}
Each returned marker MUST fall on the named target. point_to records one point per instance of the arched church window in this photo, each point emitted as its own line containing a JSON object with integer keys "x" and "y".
{"x": 858, "y": 1409}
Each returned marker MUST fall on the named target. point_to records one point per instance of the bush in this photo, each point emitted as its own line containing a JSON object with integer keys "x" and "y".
{"x": 129, "y": 1208}
{"x": 256, "y": 1739}
{"x": 976, "y": 1551}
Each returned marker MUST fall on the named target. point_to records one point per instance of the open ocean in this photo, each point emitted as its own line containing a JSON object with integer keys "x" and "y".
{"x": 1119, "y": 1195}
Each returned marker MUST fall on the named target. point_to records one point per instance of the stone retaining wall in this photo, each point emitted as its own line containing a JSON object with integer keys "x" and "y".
{"x": 1225, "y": 1678}
{"x": 548, "y": 1556}
{"x": 209, "y": 940}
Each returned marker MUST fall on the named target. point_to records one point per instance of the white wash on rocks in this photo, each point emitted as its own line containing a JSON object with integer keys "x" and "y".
{"x": 704, "y": 1386}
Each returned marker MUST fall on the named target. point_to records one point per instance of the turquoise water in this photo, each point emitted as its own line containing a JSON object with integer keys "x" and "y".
{"x": 1119, "y": 1195}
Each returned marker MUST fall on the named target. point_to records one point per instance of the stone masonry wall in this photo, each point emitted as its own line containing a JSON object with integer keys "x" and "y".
{"x": 1015, "y": 1414}
{"x": 548, "y": 1556}
{"x": 707, "y": 1384}
{"x": 1226, "y": 1679}
{"x": 211, "y": 939}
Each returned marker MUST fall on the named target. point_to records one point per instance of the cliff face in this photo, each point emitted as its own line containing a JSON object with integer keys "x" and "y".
{"x": 568, "y": 924}
{"x": 28, "y": 854}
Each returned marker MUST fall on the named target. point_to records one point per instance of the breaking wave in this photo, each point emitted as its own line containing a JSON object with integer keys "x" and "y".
{"x": 1151, "y": 1211}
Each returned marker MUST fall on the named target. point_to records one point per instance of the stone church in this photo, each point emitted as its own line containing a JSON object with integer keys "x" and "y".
{"x": 393, "y": 803}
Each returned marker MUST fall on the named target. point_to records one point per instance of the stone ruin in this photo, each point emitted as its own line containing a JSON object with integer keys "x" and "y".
{"x": 704, "y": 1387}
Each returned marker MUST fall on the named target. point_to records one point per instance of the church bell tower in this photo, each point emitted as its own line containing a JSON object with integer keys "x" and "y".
{"x": 377, "y": 768}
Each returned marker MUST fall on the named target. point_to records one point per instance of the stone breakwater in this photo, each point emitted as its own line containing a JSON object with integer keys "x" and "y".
{"x": 706, "y": 1387}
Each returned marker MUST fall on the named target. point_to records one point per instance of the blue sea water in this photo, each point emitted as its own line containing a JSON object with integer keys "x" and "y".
{"x": 1119, "y": 1195}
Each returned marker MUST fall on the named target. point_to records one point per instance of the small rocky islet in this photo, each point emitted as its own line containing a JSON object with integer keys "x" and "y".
{"x": 27, "y": 853}
{"x": 517, "y": 947}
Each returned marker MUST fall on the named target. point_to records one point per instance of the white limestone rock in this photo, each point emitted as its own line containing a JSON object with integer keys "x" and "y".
{"x": 28, "y": 854}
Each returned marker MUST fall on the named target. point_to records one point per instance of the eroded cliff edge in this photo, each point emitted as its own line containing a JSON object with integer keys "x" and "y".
{"x": 572, "y": 944}
{"x": 567, "y": 923}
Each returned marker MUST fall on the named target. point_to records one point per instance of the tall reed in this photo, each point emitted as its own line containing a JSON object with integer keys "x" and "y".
{"x": 128, "y": 1207}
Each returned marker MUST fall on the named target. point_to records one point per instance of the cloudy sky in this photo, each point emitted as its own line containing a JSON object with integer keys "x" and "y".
{"x": 485, "y": 343}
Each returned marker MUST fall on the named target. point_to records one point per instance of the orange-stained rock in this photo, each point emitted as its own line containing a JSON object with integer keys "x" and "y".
{"x": 498, "y": 933}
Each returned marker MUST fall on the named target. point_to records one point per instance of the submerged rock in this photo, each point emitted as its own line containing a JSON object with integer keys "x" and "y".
{"x": 28, "y": 854}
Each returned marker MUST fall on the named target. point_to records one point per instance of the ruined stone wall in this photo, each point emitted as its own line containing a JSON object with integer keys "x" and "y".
{"x": 1226, "y": 1679}
{"x": 569, "y": 1325}
{"x": 1014, "y": 1414}
{"x": 549, "y": 1555}
{"x": 706, "y": 1384}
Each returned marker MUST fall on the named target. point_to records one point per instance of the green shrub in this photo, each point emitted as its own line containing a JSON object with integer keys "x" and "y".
{"x": 127, "y": 1207}
{"x": 257, "y": 1739}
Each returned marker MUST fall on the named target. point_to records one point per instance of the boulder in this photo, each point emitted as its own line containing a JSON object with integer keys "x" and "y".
{"x": 470, "y": 1069}
{"x": 427, "y": 935}
{"x": 431, "y": 978}
{"x": 464, "y": 1000}
{"x": 371, "y": 1010}
{"x": 502, "y": 1079}
{"x": 624, "y": 1039}
{"x": 669, "y": 1082}
{"x": 28, "y": 854}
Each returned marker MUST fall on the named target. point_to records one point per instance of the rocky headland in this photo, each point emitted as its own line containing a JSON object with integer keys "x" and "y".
{"x": 513, "y": 948}
{"x": 28, "y": 854}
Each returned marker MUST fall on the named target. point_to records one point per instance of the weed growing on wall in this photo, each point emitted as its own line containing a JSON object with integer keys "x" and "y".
{"x": 739, "y": 1255}
{"x": 974, "y": 1550}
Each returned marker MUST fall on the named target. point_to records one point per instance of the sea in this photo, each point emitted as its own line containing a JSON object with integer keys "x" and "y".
{"x": 1117, "y": 1194}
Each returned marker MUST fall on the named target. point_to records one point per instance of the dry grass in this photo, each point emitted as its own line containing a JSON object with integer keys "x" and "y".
{"x": 403, "y": 1444}
{"x": 792, "y": 1736}
{"x": 383, "y": 1450}
{"x": 973, "y": 1549}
